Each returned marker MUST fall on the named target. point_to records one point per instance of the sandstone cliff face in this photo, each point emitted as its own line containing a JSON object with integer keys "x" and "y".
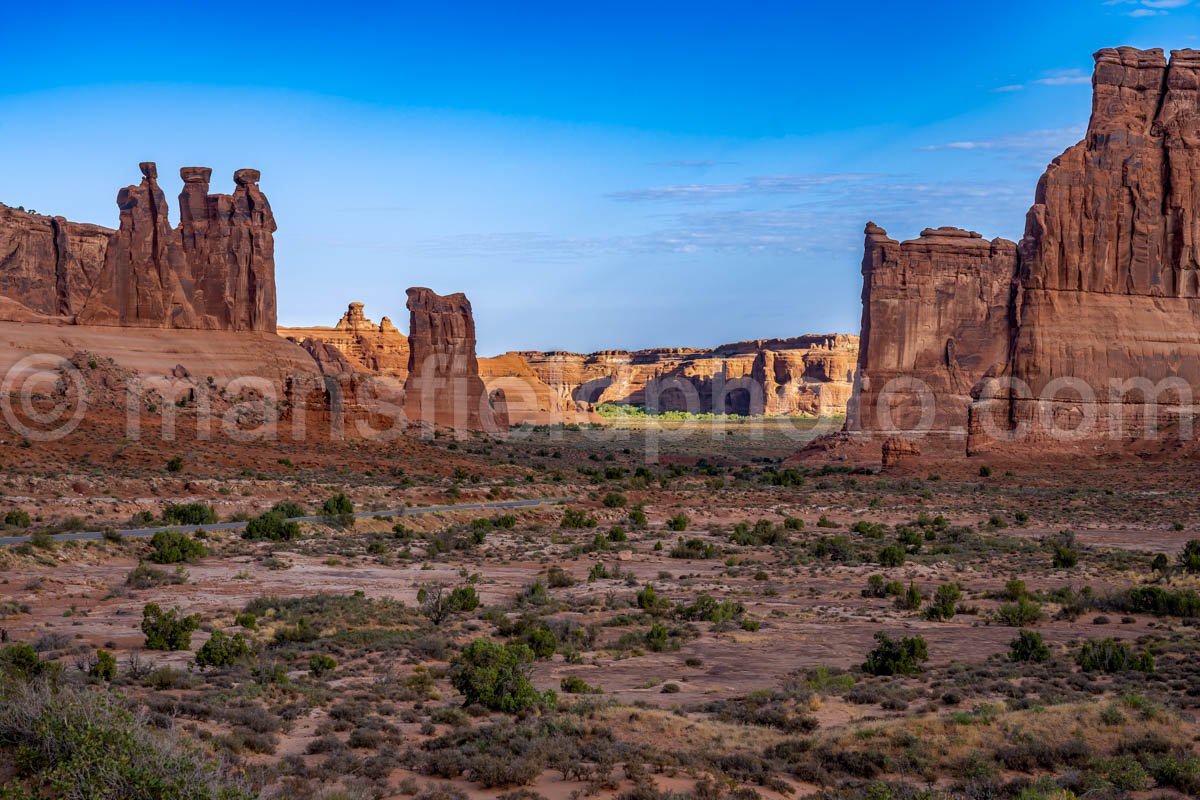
{"x": 215, "y": 271}
{"x": 443, "y": 387}
{"x": 801, "y": 375}
{"x": 355, "y": 344}
{"x": 935, "y": 309}
{"x": 1104, "y": 286}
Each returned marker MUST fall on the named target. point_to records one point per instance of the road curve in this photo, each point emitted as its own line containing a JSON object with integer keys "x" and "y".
{"x": 232, "y": 526}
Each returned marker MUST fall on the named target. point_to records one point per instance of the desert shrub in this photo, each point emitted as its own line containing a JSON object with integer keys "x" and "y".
{"x": 649, "y": 600}
{"x": 793, "y": 523}
{"x": 144, "y": 576}
{"x": 891, "y": 556}
{"x": 222, "y": 651}
{"x": 21, "y": 661}
{"x": 1109, "y": 655}
{"x": 679, "y": 522}
{"x": 542, "y": 642}
{"x": 496, "y": 676}
{"x": 615, "y": 500}
{"x": 189, "y": 514}
{"x": 911, "y": 599}
{"x": 1154, "y": 600}
{"x": 693, "y": 548}
{"x": 876, "y": 587}
{"x": 1019, "y": 614}
{"x": 288, "y": 509}
{"x": 17, "y": 519}
{"x": 338, "y": 505}
{"x": 84, "y": 744}
{"x": 573, "y": 684}
{"x": 904, "y": 656}
{"x": 712, "y": 610}
{"x": 871, "y": 530}
{"x": 945, "y": 602}
{"x": 1028, "y": 646}
{"x": 103, "y": 667}
{"x": 1189, "y": 558}
{"x": 438, "y": 603}
{"x": 637, "y": 517}
{"x": 559, "y": 578}
{"x": 320, "y": 665}
{"x": 1065, "y": 557}
{"x": 272, "y": 526}
{"x": 577, "y": 518}
{"x": 246, "y": 620}
{"x": 173, "y": 547}
{"x": 167, "y": 630}
{"x": 762, "y": 533}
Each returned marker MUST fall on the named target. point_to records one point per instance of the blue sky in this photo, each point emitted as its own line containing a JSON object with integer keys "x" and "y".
{"x": 592, "y": 176}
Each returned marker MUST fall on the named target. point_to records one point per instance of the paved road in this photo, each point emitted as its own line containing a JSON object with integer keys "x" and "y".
{"x": 230, "y": 526}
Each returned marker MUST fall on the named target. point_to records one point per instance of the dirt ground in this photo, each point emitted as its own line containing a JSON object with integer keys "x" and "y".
{"x": 742, "y": 673}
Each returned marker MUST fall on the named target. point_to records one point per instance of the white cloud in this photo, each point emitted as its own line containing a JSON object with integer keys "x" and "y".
{"x": 758, "y": 185}
{"x": 1064, "y": 77}
{"x": 1149, "y": 8}
{"x": 1046, "y": 141}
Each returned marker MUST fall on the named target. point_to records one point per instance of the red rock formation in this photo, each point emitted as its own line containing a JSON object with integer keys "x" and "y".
{"x": 362, "y": 345}
{"x": 1104, "y": 288}
{"x": 443, "y": 386}
{"x": 216, "y": 271}
{"x": 935, "y": 309}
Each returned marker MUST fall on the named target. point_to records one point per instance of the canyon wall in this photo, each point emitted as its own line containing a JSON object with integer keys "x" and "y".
{"x": 804, "y": 375}
{"x": 1068, "y": 334}
{"x": 215, "y": 271}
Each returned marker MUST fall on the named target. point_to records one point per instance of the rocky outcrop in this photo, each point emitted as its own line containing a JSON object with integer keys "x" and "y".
{"x": 355, "y": 344}
{"x": 1093, "y": 313}
{"x": 806, "y": 375}
{"x": 443, "y": 387}
{"x": 216, "y": 271}
{"x": 936, "y": 319}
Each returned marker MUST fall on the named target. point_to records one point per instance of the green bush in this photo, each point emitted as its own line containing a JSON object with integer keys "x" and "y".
{"x": 1019, "y": 614}
{"x": 189, "y": 514}
{"x": 1155, "y": 600}
{"x": 1109, "y": 655}
{"x": 80, "y": 743}
{"x": 496, "y": 676}
{"x": 904, "y": 656}
{"x": 577, "y": 518}
{"x": 438, "y": 604}
{"x": 649, "y": 600}
{"x": 911, "y": 599}
{"x": 693, "y": 548}
{"x": 1065, "y": 557}
{"x": 222, "y": 651}
{"x": 1028, "y": 646}
{"x": 167, "y": 630}
{"x": 892, "y": 556}
{"x": 542, "y": 642}
{"x": 287, "y": 509}
{"x": 637, "y": 517}
{"x": 945, "y": 602}
{"x": 573, "y": 684}
{"x": 679, "y": 522}
{"x": 272, "y": 526}
{"x": 175, "y": 464}
{"x": 103, "y": 667}
{"x": 337, "y": 506}
{"x": 1189, "y": 559}
{"x": 614, "y": 500}
{"x": 17, "y": 519}
{"x": 246, "y": 620}
{"x": 174, "y": 547}
{"x": 21, "y": 661}
{"x": 321, "y": 665}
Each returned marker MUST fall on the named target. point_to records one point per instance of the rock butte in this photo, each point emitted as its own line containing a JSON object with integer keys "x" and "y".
{"x": 1104, "y": 286}
{"x": 802, "y": 375}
